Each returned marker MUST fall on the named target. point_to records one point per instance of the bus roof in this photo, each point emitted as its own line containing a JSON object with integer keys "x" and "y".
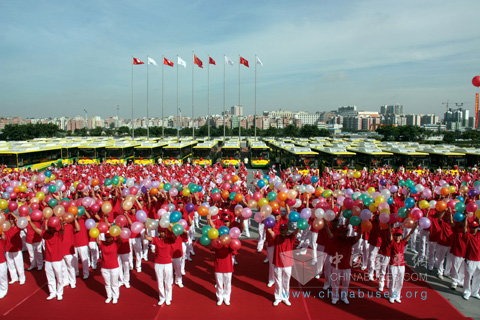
{"x": 206, "y": 144}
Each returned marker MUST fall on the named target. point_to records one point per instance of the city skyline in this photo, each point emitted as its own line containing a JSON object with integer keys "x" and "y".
{"x": 59, "y": 58}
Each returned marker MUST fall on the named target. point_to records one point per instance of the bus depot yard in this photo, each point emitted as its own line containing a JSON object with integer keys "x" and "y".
{"x": 302, "y": 153}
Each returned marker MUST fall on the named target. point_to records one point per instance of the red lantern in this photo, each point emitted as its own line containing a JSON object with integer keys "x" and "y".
{"x": 476, "y": 81}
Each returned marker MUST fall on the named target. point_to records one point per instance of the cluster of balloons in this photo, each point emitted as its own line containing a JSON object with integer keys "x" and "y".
{"x": 220, "y": 237}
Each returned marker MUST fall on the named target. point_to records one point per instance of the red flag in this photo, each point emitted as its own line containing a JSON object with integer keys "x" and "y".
{"x": 137, "y": 61}
{"x": 244, "y": 62}
{"x": 211, "y": 61}
{"x": 197, "y": 61}
{"x": 167, "y": 62}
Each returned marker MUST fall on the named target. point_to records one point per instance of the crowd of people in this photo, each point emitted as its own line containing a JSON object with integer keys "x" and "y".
{"x": 73, "y": 217}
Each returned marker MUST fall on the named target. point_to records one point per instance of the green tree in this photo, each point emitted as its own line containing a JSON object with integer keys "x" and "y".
{"x": 323, "y": 133}
{"x": 124, "y": 131}
{"x": 308, "y": 131}
{"x": 80, "y": 132}
{"x": 270, "y": 132}
{"x": 290, "y": 131}
{"x": 449, "y": 137}
{"x": 96, "y": 132}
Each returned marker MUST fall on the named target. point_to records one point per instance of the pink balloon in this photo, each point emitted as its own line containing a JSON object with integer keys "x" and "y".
{"x": 257, "y": 196}
{"x": 121, "y": 221}
{"x": 348, "y": 203}
{"x": 216, "y": 196}
{"x": 246, "y": 213}
{"x": 125, "y": 233}
{"x": 258, "y": 217}
{"x": 235, "y": 232}
{"x": 36, "y": 215}
{"x": 137, "y": 227}
{"x": 24, "y": 210}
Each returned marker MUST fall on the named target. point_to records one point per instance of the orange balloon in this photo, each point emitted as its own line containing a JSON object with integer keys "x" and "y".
{"x": 383, "y": 226}
{"x": 234, "y": 178}
{"x": 408, "y": 223}
{"x": 95, "y": 182}
{"x": 153, "y": 191}
{"x": 73, "y": 210}
{"x": 366, "y": 226}
{"x": 441, "y": 206}
{"x": 238, "y": 197}
{"x": 275, "y": 206}
{"x": 444, "y": 192}
{"x": 225, "y": 194}
{"x": 16, "y": 189}
{"x": 282, "y": 204}
{"x": 318, "y": 192}
{"x": 282, "y": 196}
{"x": 202, "y": 211}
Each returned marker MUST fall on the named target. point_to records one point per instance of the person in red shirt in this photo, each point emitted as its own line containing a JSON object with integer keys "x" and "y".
{"x": 80, "y": 242}
{"x": 444, "y": 241}
{"x": 163, "y": 265}
{"x": 397, "y": 261}
{"x": 3, "y": 270}
{"x": 53, "y": 257}
{"x": 471, "y": 283}
{"x": 34, "y": 247}
{"x": 456, "y": 256}
{"x": 13, "y": 248}
{"x": 283, "y": 263}
{"x": 279, "y": 220}
{"x": 223, "y": 267}
{"x": 341, "y": 263}
{"x": 433, "y": 238}
{"x": 110, "y": 267}
{"x": 69, "y": 274}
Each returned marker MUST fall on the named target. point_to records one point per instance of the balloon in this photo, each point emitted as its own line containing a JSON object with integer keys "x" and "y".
{"x": 141, "y": 216}
{"x": 213, "y": 233}
{"x": 205, "y": 240}
{"x": 355, "y": 221}
{"x": 235, "y": 244}
{"x": 329, "y": 215}
{"x": 94, "y": 233}
{"x": 137, "y": 227}
{"x": 460, "y": 207}
{"x": 408, "y": 223}
{"x": 125, "y": 233}
{"x": 269, "y": 222}
{"x": 417, "y": 214}
{"x": 318, "y": 224}
{"x": 384, "y": 217}
{"x": 458, "y": 217}
{"x": 365, "y": 215}
{"x": 424, "y": 223}
{"x": 306, "y": 213}
{"x": 235, "y": 232}
{"x": 202, "y": 211}
{"x": 409, "y": 203}
{"x": 177, "y": 229}
{"x": 347, "y": 213}
{"x": 402, "y": 212}
{"x": 476, "y": 81}
{"x": 246, "y": 213}
{"x": 106, "y": 207}
{"x": 293, "y": 216}
{"x": 302, "y": 224}
{"x": 366, "y": 226}
{"x": 22, "y": 222}
{"x": 53, "y": 222}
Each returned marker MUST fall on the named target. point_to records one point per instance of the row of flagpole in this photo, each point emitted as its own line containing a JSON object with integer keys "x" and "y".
{"x": 199, "y": 63}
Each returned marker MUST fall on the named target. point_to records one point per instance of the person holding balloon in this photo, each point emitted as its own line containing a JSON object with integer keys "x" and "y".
{"x": 71, "y": 227}
{"x": 445, "y": 238}
{"x": 273, "y": 225}
{"x": 3, "y": 268}
{"x": 53, "y": 236}
{"x": 163, "y": 265}
{"x": 13, "y": 249}
{"x": 458, "y": 249}
{"x": 471, "y": 283}
{"x": 110, "y": 267}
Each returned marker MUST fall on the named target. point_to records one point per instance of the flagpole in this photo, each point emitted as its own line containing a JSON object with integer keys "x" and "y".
{"x": 193, "y": 95}
{"x": 239, "y": 138}
{"x": 224, "y": 58}
{"x": 133, "y": 130}
{"x": 163, "y": 126}
{"x": 148, "y": 132}
{"x": 178, "y": 119}
{"x": 208, "y": 97}
{"x": 255, "y": 103}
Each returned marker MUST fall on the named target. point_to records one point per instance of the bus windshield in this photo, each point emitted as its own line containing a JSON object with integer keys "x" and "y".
{"x": 146, "y": 153}
{"x": 260, "y": 153}
{"x": 114, "y": 153}
{"x": 305, "y": 160}
{"x": 172, "y": 153}
{"x": 231, "y": 153}
{"x": 202, "y": 153}
{"x": 10, "y": 160}
{"x": 87, "y": 153}
{"x": 342, "y": 162}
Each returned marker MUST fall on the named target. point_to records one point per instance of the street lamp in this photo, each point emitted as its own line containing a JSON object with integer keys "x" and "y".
{"x": 86, "y": 118}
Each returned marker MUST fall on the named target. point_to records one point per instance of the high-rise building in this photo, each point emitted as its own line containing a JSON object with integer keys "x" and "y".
{"x": 391, "y": 109}
{"x": 236, "y": 111}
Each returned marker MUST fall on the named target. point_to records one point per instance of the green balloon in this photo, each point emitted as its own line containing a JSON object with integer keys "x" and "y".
{"x": 167, "y": 186}
{"x": 401, "y": 183}
{"x": 368, "y": 201}
{"x": 302, "y": 224}
{"x": 108, "y": 182}
{"x": 476, "y": 183}
{"x": 115, "y": 180}
{"x": 460, "y": 207}
{"x": 52, "y": 188}
{"x": 347, "y": 213}
{"x": 81, "y": 211}
{"x": 271, "y": 196}
{"x": 402, "y": 212}
{"x": 215, "y": 190}
{"x": 205, "y": 230}
{"x": 52, "y": 202}
{"x": 205, "y": 240}
{"x": 177, "y": 229}
{"x": 355, "y": 221}
{"x": 232, "y": 195}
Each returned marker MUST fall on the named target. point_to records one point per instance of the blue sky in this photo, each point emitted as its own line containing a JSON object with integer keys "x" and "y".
{"x": 60, "y": 57}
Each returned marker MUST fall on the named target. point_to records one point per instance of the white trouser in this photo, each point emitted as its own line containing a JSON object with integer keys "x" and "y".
{"x": 3, "y": 279}
{"x": 271, "y": 275}
{"x": 365, "y": 253}
{"x": 406, "y": 231}
{"x": 196, "y": 219}
{"x": 383, "y": 269}
{"x": 422, "y": 250}
{"x": 164, "y": 273}
{"x": 458, "y": 269}
{"x": 373, "y": 261}
{"x": 448, "y": 264}
{"x": 177, "y": 268}
{"x": 93, "y": 254}
{"x": 81, "y": 253}
{"x": 321, "y": 256}
{"x": 124, "y": 265}
{"x": 191, "y": 240}
{"x": 224, "y": 286}
{"x": 343, "y": 276}
{"x": 413, "y": 239}
{"x": 328, "y": 271}
{"x": 313, "y": 244}
{"x": 440, "y": 258}
{"x": 471, "y": 283}
{"x": 111, "y": 282}
{"x": 69, "y": 277}
{"x": 395, "y": 277}
{"x": 145, "y": 245}
{"x": 282, "y": 282}
{"x": 246, "y": 226}
{"x": 23, "y": 236}
{"x": 53, "y": 270}
{"x": 136, "y": 248}
{"x": 431, "y": 254}
{"x": 261, "y": 236}
{"x": 15, "y": 265}
{"x": 184, "y": 256}
{"x": 35, "y": 254}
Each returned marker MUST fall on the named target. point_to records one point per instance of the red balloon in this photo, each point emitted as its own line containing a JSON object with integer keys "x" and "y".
{"x": 24, "y": 210}
{"x": 95, "y": 208}
{"x": 64, "y": 203}
{"x": 12, "y": 206}
{"x": 235, "y": 244}
{"x": 13, "y": 195}
{"x": 348, "y": 203}
{"x": 121, "y": 221}
{"x": 36, "y": 215}
{"x": 53, "y": 222}
{"x": 216, "y": 243}
{"x": 476, "y": 81}
{"x": 35, "y": 206}
{"x": 102, "y": 227}
{"x": 471, "y": 207}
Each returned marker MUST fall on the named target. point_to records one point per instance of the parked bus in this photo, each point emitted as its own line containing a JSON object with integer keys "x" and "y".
{"x": 205, "y": 153}
{"x": 301, "y": 158}
{"x": 30, "y": 158}
{"x": 178, "y": 152}
{"x": 258, "y": 154}
{"x": 335, "y": 158}
{"x": 409, "y": 158}
{"x": 69, "y": 154}
{"x": 472, "y": 156}
{"x": 230, "y": 154}
{"x": 372, "y": 158}
{"x": 148, "y": 153}
{"x": 445, "y": 158}
{"x": 91, "y": 154}
{"x": 120, "y": 153}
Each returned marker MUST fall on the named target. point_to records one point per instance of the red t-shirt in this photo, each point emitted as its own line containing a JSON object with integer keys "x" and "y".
{"x": 223, "y": 260}
{"x": 275, "y": 229}
{"x": 322, "y": 237}
{"x": 177, "y": 248}
{"x": 163, "y": 250}
{"x": 473, "y": 247}
{"x": 32, "y": 236}
{"x": 281, "y": 257}
{"x": 397, "y": 256}
{"x": 459, "y": 242}
{"x": 109, "y": 254}
{"x": 343, "y": 252}
{"x": 13, "y": 239}
{"x": 80, "y": 238}
{"x": 445, "y": 234}
{"x": 386, "y": 244}
{"x": 53, "y": 246}
{"x": 374, "y": 239}
{"x": 68, "y": 235}
{"x": 2, "y": 250}
{"x": 434, "y": 229}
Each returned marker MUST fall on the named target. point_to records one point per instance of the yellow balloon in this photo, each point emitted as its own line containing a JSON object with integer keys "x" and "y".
{"x": 53, "y": 177}
{"x": 213, "y": 233}
{"x": 186, "y": 192}
{"x": 424, "y": 204}
{"x": 47, "y": 179}
{"x": 262, "y": 201}
{"x": 379, "y": 199}
{"x": 373, "y": 207}
{"x": 40, "y": 195}
{"x": 160, "y": 187}
{"x": 371, "y": 190}
{"x": 115, "y": 231}
{"x": 385, "y": 210}
{"x": 75, "y": 184}
{"x": 357, "y": 175}
{"x": 94, "y": 232}
{"x": 452, "y": 189}
{"x": 477, "y": 213}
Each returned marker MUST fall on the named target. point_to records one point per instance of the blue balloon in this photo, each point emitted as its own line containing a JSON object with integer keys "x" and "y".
{"x": 223, "y": 230}
{"x": 175, "y": 216}
{"x": 458, "y": 217}
{"x": 461, "y": 199}
{"x": 266, "y": 177}
{"x": 409, "y": 203}
{"x": 314, "y": 179}
{"x": 390, "y": 200}
{"x": 294, "y": 216}
{"x": 261, "y": 183}
{"x": 413, "y": 190}
{"x": 199, "y": 188}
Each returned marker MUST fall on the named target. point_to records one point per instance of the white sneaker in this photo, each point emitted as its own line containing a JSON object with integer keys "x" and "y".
{"x": 168, "y": 302}
{"x": 453, "y": 286}
{"x": 108, "y": 300}
{"x": 50, "y": 297}
{"x": 398, "y": 300}
{"x": 345, "y": 300}
{"x": 363, "y": 268}
{"x": 391, "y": 300}
{"x": 180, "y": 285}
{"x": 314, "y": 263}
{"x": 115, "y": 301}
{"x": 59, "y": 298}
{"x": 183, "y": 273}
{"x": 161, "y": 302}
{"x": 380, "y": 288}
{"x": 189, "y": 259}
{"x": 276, "y": 302}
{"x": 22, "y": 282}
{"x": 476, "y": 296}
{"x": 235, "y": 263}
{"x": 287, "y": 302}
{"x": 334, "y": 301}
{"x": 73, "y": 285}
{"x": 139, "y": 270}
{"x": 439, "y": 276}
{"x": 31, "y": 268}
{"x": 127, "y": 285}
{"x": 85, "y": 277}
{"x": 192, "y": 253}
{"x": 12, "y": 281}
{"x": 219, "y": 302}
{"x": 266, "y": 260}
{"x": 270, "y": 284}
{"x": 466, "y": 297}
{"x": 317, "y": 276}
{"x": 227, "y": 303}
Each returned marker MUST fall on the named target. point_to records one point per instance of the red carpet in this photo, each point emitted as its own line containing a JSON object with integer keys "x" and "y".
{"x": 251, "y": 298}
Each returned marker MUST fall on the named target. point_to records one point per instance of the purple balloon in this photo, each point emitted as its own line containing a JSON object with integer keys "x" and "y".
{"x": 144, "y": 189}
{"x": 383, "y": 182}
{"x": 393, "y": 189}
{"x": 125, "y": 192}
{"x": 269, "y": 222}
{"x": 155, "y": 184}
{"x": 141, "y": 216}
{"x": 190, "y": 207}
{"x": 90, "y": 223}
{"x": 424, "y": 223}
{"x": 365, "y": 215}
{"x": 306, "y": 213}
